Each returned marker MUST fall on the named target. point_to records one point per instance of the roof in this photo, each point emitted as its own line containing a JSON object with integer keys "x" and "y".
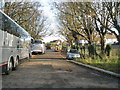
{"x": 110, "y": 36}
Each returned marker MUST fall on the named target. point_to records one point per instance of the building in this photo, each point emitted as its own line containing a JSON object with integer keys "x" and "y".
{"x": 110, "y": 39}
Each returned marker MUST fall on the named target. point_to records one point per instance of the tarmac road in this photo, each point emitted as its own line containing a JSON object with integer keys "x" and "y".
{"x": 51, "y": 70}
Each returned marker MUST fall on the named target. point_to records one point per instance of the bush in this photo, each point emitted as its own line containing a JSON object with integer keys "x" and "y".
{"x": 92, "y": 50}
{"x": 108, "y": 50}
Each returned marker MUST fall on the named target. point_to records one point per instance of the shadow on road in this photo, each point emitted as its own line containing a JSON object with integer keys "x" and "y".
{"x": 50, "y": 50}
{"x": 49, "y": 58}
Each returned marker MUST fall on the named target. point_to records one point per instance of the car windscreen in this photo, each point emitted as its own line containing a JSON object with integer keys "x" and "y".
{"x": 37, "y": 42}
{"x": 73, "y": 51}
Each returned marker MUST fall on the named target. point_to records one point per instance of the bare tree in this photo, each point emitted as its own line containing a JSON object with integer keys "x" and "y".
{"x": 72, "y": 17}
{"x": 107, "y": 14}
{"x": 101, "y": 16}
{"x": 113, "y": 9}
{"x": 28, "y": 15}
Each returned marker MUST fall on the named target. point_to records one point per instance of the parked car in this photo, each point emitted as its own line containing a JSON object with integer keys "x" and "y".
{"x": 73, "y": 54}
{"x": 38, "y": 47}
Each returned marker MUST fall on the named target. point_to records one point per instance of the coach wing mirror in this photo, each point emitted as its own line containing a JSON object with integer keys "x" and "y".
{"x": 32, "y": 41}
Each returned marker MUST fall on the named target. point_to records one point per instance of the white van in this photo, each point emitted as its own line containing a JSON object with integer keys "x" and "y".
{"x": 38, "y": 47}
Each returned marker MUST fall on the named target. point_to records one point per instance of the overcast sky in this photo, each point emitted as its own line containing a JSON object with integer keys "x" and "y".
{"x": 52, "y": 22}
{"x": 49, "y": 11}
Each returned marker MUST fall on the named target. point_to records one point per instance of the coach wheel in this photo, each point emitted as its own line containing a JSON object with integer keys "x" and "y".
{"x": 16, "y": 64}
{"x": 9, "y": 68}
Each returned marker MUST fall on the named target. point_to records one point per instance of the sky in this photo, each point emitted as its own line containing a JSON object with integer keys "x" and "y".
{"x": 49, "y": 12}
{"x": 52, "y": 22}
{"x": 52, "y": 18}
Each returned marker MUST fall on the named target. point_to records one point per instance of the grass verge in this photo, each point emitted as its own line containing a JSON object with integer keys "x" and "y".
{"x": 107, "y": 64}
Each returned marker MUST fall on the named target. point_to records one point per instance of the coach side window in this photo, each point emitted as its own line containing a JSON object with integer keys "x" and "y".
{"x": 7, "y": 25}
{"x": 1, "y": 21}
{"x": 14, "y": 29}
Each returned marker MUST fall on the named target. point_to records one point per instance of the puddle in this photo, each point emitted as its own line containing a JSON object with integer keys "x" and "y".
{"x": 62, "y": 71}
{"x": 65, "y": 71}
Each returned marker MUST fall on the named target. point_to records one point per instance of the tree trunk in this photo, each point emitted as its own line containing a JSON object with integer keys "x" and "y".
{"x": 103, "y": 40}
{"x": 71, "y": 43}
{"x": 90, "y": 42}
{"x": 118, "y": 38}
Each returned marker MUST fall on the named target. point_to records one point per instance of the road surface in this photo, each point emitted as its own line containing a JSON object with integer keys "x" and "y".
{"x": 51, "y": 70}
